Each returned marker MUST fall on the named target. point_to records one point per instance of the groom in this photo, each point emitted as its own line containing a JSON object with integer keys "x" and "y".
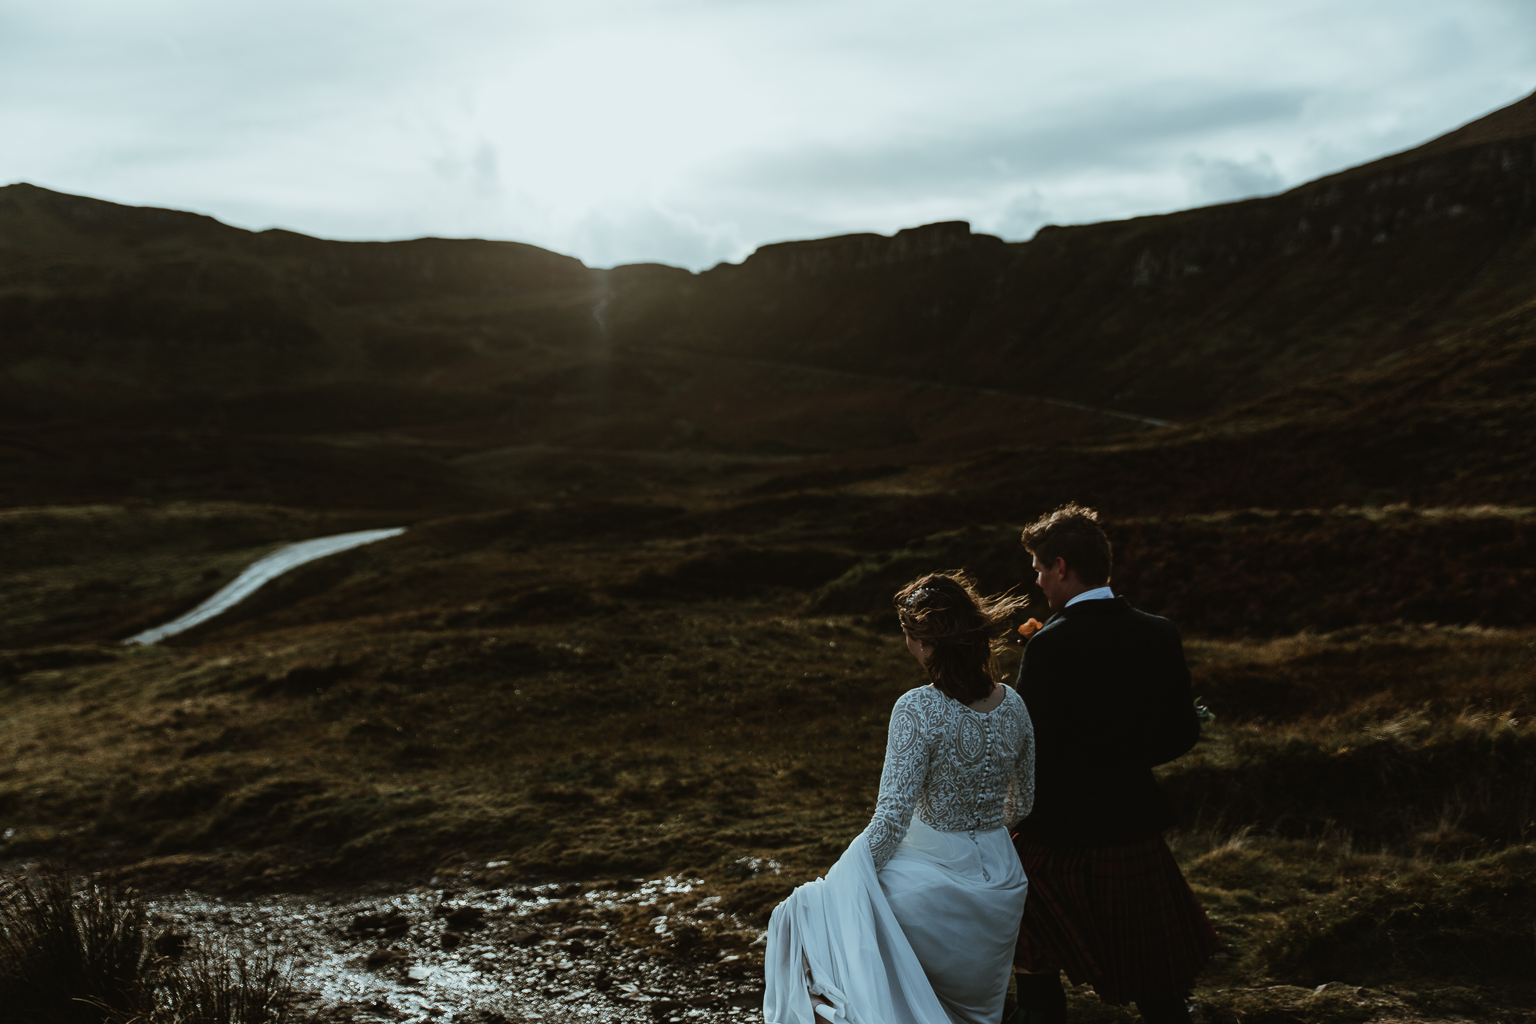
{"x": 1108, "y": 691}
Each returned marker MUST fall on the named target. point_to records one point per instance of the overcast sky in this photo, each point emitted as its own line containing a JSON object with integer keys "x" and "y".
{"x": 693, "y": 131}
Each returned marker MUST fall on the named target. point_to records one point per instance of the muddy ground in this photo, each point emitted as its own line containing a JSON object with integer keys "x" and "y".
{"x": 485, "y": 955}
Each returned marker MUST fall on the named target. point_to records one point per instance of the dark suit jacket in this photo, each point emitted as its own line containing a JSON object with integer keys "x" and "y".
{"x": 1108, "y": 691}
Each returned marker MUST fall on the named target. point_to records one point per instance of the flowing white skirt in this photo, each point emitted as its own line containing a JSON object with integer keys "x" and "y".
{"x": 929, "y": 940}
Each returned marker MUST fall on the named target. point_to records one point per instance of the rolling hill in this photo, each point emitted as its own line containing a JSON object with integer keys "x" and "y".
{"x": 469, "y": 366}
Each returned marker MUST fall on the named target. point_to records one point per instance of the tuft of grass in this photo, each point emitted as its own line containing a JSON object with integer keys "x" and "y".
{"x": 1420, "y": 783}
{"x": 1293, "y": 1004}
{"x": 71, "y": 956}
{"x": 1471, "y": 921}
{"x": 218, "y": 982}
{"x": 1281, "y": 571}
{"x": 87, "y": 954}
{"x": 1358, "y": 677}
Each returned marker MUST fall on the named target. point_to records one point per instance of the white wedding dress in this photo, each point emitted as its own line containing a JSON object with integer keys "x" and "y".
{"x": 917, "y": 920}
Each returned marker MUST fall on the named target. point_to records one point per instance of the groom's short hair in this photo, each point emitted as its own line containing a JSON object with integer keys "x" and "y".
{"x": 1072, "y": 532}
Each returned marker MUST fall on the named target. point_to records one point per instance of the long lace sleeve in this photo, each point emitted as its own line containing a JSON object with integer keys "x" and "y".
{"x": 907, "y": 753}
{"x": 1021, "y": 784}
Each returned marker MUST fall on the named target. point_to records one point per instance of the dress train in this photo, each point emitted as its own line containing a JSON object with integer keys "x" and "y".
{"x": 928, "y": 939}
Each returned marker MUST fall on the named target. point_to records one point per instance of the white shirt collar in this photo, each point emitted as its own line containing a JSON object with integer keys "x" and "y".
{"x": 1096, "y": 594}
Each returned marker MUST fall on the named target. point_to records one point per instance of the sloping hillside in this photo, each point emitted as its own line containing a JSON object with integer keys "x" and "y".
{"x": 1173, "y": 316}
{"x": 162, "y": 355}
{"x": 106, "y": 305}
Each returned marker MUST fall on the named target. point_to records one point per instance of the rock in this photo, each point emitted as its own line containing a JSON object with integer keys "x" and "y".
{"x": 524, "y": 936}
{"x": 388, "y": 923}
{"x": 369, "y": 1010}
{"x": 750, "y": 867}
{"x": 380, "y": 958}
{"x": 417, "y": 975}
{"x": 583, "y": 931}
{"x": 465, "y": 918}
{"x": 451, "y": 940}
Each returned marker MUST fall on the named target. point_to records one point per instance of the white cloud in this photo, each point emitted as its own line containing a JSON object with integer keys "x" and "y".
{"x": 695, "y": 130}
{"x": 1021, "y": 218}
{"x": 1222, "y": 180}
{"x": 650, "y": 234}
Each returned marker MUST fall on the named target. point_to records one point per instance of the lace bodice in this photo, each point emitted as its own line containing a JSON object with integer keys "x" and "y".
{"x": 959, "y": 769}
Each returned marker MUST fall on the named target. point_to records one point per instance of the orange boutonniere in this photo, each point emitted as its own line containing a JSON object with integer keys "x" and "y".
{"x": 1030, "y": 628}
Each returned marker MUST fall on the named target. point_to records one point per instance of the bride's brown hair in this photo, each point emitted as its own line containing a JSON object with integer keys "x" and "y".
{"x": 965, "y": 630}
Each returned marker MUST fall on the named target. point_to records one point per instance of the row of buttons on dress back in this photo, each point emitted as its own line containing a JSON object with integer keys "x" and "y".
{"x": 981, "y": 790}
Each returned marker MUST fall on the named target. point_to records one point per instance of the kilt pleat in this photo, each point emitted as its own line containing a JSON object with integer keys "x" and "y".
{"x": 1121, "y": 918}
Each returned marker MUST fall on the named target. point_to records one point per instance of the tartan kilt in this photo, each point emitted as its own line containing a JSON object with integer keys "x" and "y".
{"x": 1120, "y": 917}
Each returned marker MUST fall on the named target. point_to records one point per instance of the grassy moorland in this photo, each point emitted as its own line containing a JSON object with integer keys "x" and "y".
{"x": 590, "y": 707}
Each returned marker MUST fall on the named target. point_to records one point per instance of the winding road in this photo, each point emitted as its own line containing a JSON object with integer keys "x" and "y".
{"x": 262, "y": 571}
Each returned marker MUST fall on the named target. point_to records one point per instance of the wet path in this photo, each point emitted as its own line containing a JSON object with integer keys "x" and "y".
{"x": 260, "y": 572}
{"x": 493, "y": 956}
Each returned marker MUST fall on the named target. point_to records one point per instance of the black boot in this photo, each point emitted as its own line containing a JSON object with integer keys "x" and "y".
{"x": 1164, "y": 1010}
{"x": 1042, "y": 1000}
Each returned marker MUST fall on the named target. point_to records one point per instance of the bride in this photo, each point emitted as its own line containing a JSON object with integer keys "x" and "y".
{"x": 917, "y": 920}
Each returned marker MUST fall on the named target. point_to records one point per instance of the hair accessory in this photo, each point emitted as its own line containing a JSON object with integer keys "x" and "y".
{"x": 921, "y": 593}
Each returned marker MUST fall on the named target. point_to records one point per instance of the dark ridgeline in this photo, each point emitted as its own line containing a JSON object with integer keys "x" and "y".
{"x": 158, "y": 353}
{"x": 1173, "y": 316}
